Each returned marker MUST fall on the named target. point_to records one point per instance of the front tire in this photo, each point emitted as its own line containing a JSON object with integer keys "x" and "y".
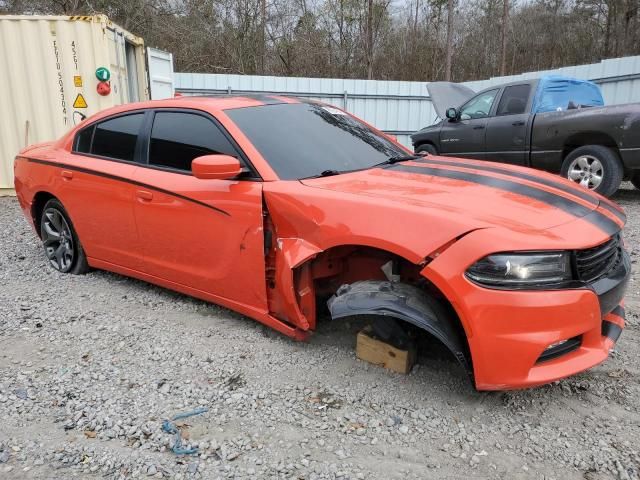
{"x": 594, "y": 167}
{"x": 427, "y": 148}
{"x": 60, "y": 240}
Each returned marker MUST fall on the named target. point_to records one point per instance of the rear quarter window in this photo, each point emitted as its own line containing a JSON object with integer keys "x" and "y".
{"x": 83, "y": 140}
{"x": 113, "y": 138}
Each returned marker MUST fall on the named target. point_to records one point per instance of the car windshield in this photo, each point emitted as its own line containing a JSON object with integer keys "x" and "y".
{"x": 301, "y": 140}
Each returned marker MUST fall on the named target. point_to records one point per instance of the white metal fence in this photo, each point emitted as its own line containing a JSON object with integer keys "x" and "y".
{"x": 401, "y": 108}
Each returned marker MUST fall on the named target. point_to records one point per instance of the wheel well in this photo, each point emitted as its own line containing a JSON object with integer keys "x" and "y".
{"x": 342, "y": 265}
{"x": 426, "y": 142}
{"x": 37, "y": 206}
{"x": 588, "y": 138}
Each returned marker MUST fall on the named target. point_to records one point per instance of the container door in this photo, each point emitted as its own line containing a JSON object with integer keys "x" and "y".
{"x": 132, "y": 71}
{"x": 160, "y": 73}
{"x": 119, "y": 78}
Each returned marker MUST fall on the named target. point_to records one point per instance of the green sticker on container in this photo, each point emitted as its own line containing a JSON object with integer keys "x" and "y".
{"x": 103, "y": 74}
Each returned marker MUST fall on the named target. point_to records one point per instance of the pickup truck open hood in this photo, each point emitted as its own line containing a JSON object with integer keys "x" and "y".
{"x": 448, "y": 94}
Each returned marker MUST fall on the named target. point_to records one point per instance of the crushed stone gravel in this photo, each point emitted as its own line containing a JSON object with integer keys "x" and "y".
{"x": 91, "y": 365}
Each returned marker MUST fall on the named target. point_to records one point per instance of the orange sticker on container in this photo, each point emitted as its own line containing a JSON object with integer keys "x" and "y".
{"x": 80, "y": 102}
{"x": 77, "y": 80}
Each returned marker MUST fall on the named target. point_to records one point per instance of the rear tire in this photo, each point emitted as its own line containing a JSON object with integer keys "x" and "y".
{"x": 427, "y": 148}
{"x": 594, "y": 167}
{"x": 60, "y": 240}
{"x": 636, "y": 180}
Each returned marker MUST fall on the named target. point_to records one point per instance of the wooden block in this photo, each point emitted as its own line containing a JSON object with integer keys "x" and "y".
{"x": 377, "y": 352}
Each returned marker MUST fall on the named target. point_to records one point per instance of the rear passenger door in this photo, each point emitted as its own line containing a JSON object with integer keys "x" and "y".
{"x": 508, "y": 131}
{"x": 203, "y": 234}
{"x": 98, "y": 193}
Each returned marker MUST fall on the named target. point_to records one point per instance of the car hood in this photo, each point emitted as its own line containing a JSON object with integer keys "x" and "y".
{"x": 461, "y": 191}
{"x": 447, "y": 94}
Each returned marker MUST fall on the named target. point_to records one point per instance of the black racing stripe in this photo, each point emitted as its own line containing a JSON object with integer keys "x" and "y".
{"x": 603, "y": 222}
{"x": 265, "y": 98}
{"x": 615, "y": 210}
{"x": 125, "y": 180}
{"x": 563, "y": 203}
{"x": 576, "y": 191}
{"x": 611, "y": 330}
{"x": 619, "y": 311}
{"x": 583, "y": 194}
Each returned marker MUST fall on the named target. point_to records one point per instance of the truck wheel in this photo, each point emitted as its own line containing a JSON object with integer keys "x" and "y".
{"x": 636, "y": 180}
{"x": 427, "y": 148}
{"x": 595, "y": 167}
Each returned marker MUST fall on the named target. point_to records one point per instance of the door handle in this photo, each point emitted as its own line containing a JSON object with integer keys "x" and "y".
{"x": 518, "y": 123}
{"x": 478, "y": 127}
{"x": 144, "y": 195}
{"x": 67, "y": 174}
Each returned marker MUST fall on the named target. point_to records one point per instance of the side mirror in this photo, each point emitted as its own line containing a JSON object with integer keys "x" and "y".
{"x": 452, "y": 113}
{"x": 221, "y": 167}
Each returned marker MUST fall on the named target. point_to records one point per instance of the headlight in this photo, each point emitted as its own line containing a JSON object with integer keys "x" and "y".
{"x": 522, "y": 270}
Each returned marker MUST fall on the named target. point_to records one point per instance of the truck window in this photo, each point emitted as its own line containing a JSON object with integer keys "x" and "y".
{"x": 514, "y": 100}
{"x": 479, "y": 106}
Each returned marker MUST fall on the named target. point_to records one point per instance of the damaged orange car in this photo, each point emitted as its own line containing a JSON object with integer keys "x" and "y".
{"x": 271, "y": 206}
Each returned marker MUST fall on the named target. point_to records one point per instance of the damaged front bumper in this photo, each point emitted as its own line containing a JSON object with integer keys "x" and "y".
{"x": 525, "y": 338}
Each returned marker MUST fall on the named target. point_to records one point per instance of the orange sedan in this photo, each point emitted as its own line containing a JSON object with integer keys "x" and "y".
{"x": 279, "y": 208}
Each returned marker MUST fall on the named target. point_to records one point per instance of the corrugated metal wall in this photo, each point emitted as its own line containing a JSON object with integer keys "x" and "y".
{"x": 395, "y": 107}
{"x": 401, "y": 108}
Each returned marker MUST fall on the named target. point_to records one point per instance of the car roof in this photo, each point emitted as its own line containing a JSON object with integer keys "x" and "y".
{"x": 213, "y": 103}
{"x": 225, "y": 102}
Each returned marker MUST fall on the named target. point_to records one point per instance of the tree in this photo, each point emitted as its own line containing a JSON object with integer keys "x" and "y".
{"x": 449, "y": 57}
{"x": 505, "y": 26}
{"x": 369, "y": 39}
{"x": 377, "y": 39}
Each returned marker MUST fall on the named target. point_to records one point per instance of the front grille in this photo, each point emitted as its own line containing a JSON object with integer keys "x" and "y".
{"x": 594, "y": 263}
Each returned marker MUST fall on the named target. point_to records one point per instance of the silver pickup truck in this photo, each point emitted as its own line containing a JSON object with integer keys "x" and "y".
{"x": 553, "y": 123}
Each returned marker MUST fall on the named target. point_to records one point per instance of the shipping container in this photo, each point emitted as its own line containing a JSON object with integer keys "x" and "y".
{"x": 50, "y": 69}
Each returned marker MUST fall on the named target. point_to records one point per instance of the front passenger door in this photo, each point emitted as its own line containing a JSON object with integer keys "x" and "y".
{"x": 465, "y": 137}
{"x": 203, "y": 234}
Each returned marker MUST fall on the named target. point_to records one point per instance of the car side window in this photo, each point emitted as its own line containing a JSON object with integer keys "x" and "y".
{"x": 177, "y": 138}
{"x": 479, "y": 106}
{"x": 114, "y": 138}
{"x": 83, "y": 140}
{"x": 514, "y": 100}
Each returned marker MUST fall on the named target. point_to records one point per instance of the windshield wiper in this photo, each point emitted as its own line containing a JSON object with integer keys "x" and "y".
{"x": 388, "y": 161}
{"x": 324, "y": 173}
{"x": 397, "y": 159}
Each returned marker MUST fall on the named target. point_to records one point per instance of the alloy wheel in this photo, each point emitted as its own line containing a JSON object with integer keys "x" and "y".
{"x": 58, "y": 240}
{"x": 587, "y": 171}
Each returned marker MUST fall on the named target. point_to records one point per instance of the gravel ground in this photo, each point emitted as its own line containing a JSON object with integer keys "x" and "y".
{"x": 91, "y": 365}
